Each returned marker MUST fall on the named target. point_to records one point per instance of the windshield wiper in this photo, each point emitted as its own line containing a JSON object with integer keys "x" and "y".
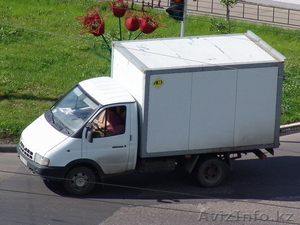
{"x": 52, "y": 116}
{"x": 63, "y": 125}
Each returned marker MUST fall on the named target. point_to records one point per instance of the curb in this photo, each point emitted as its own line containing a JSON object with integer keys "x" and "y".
{"x": 284, "y": 130}
{"x": 11, "y": 148}
{"x": 289, "y": 128}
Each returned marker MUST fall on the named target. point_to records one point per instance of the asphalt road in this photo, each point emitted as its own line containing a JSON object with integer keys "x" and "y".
{"x": 255, "y": 192}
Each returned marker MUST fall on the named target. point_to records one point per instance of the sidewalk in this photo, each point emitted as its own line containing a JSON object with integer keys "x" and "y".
{"x": 284, "y": 130}
{"x": 289, "y": 4}
{"x": 282, "y": 13}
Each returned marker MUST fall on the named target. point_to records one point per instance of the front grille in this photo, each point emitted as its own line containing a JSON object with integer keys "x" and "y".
{"x": 26, "y": 151}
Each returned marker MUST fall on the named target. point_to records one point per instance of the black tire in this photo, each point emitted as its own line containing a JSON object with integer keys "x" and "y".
{"x": 79, "y": 181}
{"x": 55, "y": 186}
{"x": 210, "y": 172}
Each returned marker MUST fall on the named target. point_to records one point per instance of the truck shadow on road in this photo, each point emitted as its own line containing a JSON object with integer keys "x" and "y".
{"x": 275, "y": 178}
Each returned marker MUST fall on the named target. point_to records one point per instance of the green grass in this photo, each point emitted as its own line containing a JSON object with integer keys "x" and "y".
{"x": 42, "y": 55}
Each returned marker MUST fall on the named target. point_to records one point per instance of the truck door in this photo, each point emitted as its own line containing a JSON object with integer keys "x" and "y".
{"x": 111, "y": 139}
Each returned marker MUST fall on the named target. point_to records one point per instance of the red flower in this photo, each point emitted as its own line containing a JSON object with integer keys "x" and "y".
{"x": 97, "y": 30}
{"x": 118, "y": 12}
{"x": 148, "y": 25}
{"x": 131, "y": 21}
{"x": 92, "y": 21}
{"x": 118, "y": 8}
{"x": 132, "y": 24}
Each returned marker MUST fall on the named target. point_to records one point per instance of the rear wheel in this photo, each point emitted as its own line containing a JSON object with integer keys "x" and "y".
{"x": 210, "y": 172}
{"x": 79, "y": 181}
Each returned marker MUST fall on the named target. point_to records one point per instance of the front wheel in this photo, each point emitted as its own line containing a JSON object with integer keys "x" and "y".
{"x": 79, "y": 181}
{"x": 210, "y": 172}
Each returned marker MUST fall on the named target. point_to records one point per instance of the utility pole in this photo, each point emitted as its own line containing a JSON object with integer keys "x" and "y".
{"x": 177, "y": 11}
{"x": 183, "y": 22}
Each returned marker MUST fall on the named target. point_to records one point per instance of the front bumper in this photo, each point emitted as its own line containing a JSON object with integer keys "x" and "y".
{"x": 46, "y": 172}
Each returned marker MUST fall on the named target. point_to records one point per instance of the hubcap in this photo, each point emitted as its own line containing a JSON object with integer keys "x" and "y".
{"x": 79, "y": 180}
{"x": 211, "y": 172}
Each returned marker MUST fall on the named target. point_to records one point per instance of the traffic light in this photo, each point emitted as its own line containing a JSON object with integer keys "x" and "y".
{"x": 176, "y": 9}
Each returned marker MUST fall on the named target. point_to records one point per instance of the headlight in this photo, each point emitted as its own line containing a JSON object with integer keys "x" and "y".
{"x": 41, "y": 160}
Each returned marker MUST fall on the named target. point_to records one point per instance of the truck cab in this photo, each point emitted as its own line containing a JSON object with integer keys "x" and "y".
{"x": 66, "y": 142}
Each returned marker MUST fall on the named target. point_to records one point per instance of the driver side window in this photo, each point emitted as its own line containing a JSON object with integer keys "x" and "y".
{"x": 110, "y": 122}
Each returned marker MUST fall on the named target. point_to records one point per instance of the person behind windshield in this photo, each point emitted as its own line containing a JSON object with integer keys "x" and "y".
{"x": 114, "y": 123}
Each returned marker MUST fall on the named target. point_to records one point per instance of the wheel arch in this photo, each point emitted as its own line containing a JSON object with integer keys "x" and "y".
{"x": 192, "y": 163}
{"x": 94, "y": 166}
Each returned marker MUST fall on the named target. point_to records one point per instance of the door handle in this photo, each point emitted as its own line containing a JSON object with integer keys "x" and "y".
{"x": 119, "y": 146}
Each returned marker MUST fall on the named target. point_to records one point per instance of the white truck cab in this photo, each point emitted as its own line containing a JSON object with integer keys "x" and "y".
{"x": 64, "y": 136}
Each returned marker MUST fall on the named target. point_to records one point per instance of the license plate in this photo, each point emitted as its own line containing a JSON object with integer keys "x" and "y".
{"x": 23, "y": 160}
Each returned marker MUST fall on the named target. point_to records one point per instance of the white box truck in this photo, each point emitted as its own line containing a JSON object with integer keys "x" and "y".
{"x": 196, "y": 102}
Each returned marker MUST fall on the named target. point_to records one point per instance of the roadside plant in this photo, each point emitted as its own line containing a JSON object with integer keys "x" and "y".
{"x": 228, "y": 4}
{"x": 140, "y": 21}
{"x": 92, "y": 21}
{"x": 118, "y": 8}
{"x": 218, "y": 25}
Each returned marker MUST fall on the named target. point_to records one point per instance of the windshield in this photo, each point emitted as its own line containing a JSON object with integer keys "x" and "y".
{"x": 71, "y": 112}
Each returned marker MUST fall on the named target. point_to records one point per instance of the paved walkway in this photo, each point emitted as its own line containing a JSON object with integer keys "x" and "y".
{"x": 285, "y": 13}
{"x": 290, "y": 4}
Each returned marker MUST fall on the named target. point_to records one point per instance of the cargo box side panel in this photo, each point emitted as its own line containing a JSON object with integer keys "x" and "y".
{"x": 256, "y": 106}
{"x": 213, "y": 109}
{"x": 169, "y": 112}
{"x": 133, "y": 80}
{"x": 129, "y": 76}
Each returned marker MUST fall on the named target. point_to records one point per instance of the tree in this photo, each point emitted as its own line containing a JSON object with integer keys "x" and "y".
{"x": 229, "y": 4}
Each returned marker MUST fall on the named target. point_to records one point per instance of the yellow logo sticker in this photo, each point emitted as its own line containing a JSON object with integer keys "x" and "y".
{"x": 158, "y": 82}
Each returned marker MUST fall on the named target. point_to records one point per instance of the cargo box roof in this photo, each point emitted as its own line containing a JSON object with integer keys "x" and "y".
{"x": 211, "y": 50}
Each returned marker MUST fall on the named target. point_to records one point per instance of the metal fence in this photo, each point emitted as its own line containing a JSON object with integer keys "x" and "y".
{"x": 242, "y": 11}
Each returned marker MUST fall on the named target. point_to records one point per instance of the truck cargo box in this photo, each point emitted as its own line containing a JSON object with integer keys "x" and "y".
{"x": 202, "y": 94}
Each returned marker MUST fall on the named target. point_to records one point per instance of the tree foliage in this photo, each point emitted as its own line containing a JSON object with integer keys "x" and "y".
{"x": 229, "y": 4}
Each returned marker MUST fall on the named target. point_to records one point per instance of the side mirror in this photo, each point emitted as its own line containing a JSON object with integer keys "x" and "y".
{"x": 89, "y": 132}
